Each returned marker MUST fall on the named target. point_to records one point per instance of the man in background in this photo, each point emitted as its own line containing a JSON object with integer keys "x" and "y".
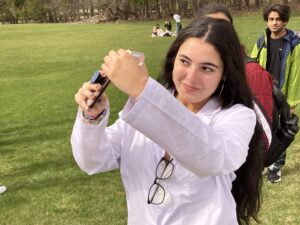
{"x": 278, "y": 51}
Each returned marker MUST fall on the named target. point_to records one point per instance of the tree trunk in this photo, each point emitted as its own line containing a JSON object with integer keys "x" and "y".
{"x": 172, "y": 3}
{"x": 165, "y": 8}
{"x": 257, "y": 3}
{"x": 239, "y": 2}
{"x": 126, "y": 9}
{"x": 146, "y": 9}
{"x": 13, "y": 12}
{"x": 195, "y": 7}
{"x": 182, "y": 7}
{"x": 247, "y": 5}
{"x": 157, "y": 9}
{"x": 91, "y": 5}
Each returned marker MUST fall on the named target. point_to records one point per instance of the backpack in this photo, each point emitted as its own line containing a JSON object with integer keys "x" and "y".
{"x": 278, "y": 125}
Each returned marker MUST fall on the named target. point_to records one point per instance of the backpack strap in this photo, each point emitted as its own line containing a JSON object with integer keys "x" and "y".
{"x": 248, "y": 59}
{"x": 295, "y": 40}
{"x": 280, "y": 99}
{"x": 260, "y": 45}
{"x": 263, "y": 121}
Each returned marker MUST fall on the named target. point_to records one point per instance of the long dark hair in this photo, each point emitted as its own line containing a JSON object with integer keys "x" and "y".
{"x": 221, "y": 34}
{"x": 214, "y": 8}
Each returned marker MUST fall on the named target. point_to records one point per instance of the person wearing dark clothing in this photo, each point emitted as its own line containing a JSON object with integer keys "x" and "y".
{"x": 278, "y": 51}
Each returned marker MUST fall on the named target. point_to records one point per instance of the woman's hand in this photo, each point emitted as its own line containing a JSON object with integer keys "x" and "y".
{"x": 125, "y": 72}
{"x": 87, "y": 93}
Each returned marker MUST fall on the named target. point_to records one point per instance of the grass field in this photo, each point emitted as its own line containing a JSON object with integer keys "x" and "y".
{"x": 41, "y": 68}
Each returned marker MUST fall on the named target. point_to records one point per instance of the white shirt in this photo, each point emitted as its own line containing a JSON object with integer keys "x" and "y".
{"x": 177, "y": 18}
{"x": 206, "y": 147}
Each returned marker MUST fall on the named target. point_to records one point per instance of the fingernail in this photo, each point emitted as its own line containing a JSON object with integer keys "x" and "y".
{"x": 89, "y": 102}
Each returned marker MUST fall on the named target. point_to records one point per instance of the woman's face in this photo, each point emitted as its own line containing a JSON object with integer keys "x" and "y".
{"x": 198, "y": 70}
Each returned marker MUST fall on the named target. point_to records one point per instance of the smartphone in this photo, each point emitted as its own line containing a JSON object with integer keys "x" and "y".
{"x": 100, "y": 79}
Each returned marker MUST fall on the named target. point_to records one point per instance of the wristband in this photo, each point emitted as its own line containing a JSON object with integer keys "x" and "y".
{"x": 94, "y": 119}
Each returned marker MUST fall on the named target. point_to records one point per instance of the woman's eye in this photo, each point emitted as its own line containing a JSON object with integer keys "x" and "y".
{"x": 207, "y": 69}
{"x": 183, "y": 61}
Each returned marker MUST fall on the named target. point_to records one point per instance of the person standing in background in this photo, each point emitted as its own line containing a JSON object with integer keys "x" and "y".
{"x": 168, "y": 25}
{"x": 278, "y": 51}
{"x": 177, "y": 19}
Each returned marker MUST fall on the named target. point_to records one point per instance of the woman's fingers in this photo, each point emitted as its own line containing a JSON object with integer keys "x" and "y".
{"x": 81, "y": 101}
{"x": 87, "y": 92}
{"x": 101, "y": 104}
{"x": 126, "y": 70}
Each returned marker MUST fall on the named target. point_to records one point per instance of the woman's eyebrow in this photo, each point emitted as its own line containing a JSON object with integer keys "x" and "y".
{"x": 202, "y": 63}
{"x": 184, "y": 56}
{"x": 210, "y": 64}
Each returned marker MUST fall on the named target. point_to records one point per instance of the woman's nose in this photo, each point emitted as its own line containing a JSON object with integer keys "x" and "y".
{"x": 192, "y": 75}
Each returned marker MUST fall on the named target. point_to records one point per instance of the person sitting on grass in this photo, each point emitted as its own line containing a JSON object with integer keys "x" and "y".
{"x": 157, "y": 31}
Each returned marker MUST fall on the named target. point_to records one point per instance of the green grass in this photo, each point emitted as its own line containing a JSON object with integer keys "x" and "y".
{"x": 41, "y": 68}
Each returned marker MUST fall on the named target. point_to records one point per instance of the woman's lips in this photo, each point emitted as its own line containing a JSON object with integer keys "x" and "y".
{"x": 190, "y": 88}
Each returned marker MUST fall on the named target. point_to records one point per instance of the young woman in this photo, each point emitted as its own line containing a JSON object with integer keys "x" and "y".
{"x": 187, "y": 154}
{"x": 156, "y": 31}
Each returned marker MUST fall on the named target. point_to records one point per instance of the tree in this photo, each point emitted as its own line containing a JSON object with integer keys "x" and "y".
{"x": 54, "y": 11}
{"x": 182, "y": 7}
{"x": 157, "y": 10}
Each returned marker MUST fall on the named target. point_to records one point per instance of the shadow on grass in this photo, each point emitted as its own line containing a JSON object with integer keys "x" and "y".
{"x": 53, "y": 184}
{"x": 33, "y": 133}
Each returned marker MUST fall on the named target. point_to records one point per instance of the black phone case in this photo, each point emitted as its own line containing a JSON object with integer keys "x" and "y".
{"x": 104, "y": 81}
